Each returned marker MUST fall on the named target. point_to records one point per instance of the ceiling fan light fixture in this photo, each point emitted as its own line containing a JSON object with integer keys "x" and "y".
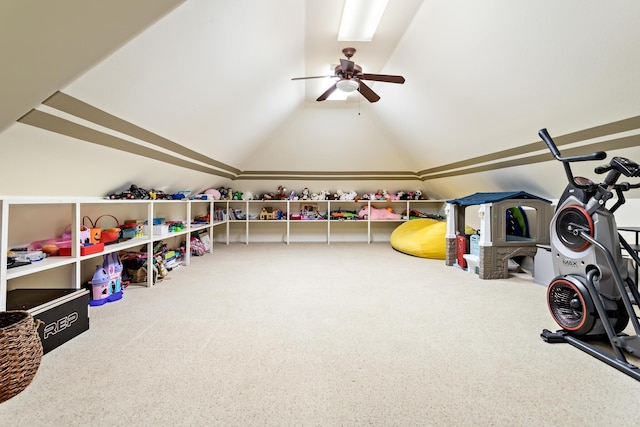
{"x": 360, "y": 19}
{"x": 348, "y": 85}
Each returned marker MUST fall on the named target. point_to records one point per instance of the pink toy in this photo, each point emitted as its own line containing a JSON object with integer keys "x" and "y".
{"x": 213, "y": 193}
{"x": 376, "y": 213}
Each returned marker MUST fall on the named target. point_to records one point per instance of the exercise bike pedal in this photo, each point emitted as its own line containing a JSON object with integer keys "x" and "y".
{"x": 630, "y": 344}
{"x": 553, "y": 337}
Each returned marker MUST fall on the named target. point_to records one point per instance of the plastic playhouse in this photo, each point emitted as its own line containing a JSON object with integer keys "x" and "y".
{"x": 512, "y": 224}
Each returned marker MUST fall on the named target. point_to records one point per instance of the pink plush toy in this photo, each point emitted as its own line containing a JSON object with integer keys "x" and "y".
{"x": 377, "y": 214}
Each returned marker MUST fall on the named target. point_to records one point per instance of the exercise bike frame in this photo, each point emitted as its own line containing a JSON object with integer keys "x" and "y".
{"x": 619, "y": 342}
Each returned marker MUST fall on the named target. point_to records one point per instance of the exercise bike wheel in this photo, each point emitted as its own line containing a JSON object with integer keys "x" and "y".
{"x": 571, "y": 220}
{"x": 571, "y": 305}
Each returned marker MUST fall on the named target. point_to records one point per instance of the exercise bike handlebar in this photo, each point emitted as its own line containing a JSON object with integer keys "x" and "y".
{"x": 598, "y": 155}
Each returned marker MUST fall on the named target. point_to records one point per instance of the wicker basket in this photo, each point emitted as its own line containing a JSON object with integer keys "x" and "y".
{"x": 20, "y": 352}
{"x": 139, "y": 275}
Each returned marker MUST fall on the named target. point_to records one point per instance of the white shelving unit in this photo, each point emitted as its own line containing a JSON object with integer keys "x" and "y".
{"x": 245, "y": 226}
{"x": 25, "y": 220}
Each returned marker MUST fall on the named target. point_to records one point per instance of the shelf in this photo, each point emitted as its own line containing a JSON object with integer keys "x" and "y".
{"x": 252, "y": 208}
{"x": 21, "y": 224}
{"x": 38, "y": 266}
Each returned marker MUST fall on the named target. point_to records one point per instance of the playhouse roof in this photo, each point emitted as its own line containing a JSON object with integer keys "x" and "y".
{"x": 479, "y": 198}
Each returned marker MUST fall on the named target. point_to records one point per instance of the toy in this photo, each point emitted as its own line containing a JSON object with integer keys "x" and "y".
{"x": 134, "y": 192}
{"x": 293, "y": 195}
{"x": 378, "y": 195}
{"x": 305, "y": 194}
{"x": 247, "y": 195}
{"x": 213, "y": 193}
{"x": 281, "y": 193}
{"x": 223, "y": 193}
{"x": 377, "y": 214}
{"x": 113, "y": 266}
{"x": 344, "y": 215}
{"x": 197, "y": 247}
{"x": 351, "y": 195}
{"x": 266, "y": 213}
{"x": 278, "y": 214}
{"x": 156, "y": 194}
{"x": 100, "y": 287}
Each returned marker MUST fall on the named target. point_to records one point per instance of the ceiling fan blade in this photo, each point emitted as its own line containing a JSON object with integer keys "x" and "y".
{"x": 314, "y": 77}
{"x": 368, "y": 93}
{"x": 328, "y": 92}
{"x": 382, "y": 78}
{"x": 347, "y": 66}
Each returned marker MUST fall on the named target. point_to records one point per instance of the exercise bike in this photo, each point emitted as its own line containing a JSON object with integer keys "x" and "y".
{"x": 592, "y": 295}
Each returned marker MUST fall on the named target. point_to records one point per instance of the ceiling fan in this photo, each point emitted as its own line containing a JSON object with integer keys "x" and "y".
{"x": 351, "y": 78}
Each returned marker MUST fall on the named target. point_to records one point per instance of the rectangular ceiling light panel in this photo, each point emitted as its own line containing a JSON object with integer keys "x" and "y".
{"x": 360, "y": 19}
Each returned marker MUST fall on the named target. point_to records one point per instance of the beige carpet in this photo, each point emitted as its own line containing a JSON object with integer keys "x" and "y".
{"x": 323, "y": 335}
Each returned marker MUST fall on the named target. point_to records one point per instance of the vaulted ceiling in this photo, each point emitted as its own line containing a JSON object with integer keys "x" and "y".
{"x": 215, "y": 78}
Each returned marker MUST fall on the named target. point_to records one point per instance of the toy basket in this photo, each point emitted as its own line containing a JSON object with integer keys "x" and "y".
{"x": 139, "y": 275}
{"x": 95, "y": 231}
{"x": 109, "y": 235}
{"x": 20, "y": 352}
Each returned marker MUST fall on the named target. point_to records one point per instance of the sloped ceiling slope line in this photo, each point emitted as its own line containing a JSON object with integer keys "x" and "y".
{"x": 610, "y": 137}
{"x": 607, "y": 135}
{"x": 80, "y": 109}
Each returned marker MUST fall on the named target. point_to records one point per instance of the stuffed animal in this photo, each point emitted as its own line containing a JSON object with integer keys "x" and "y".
{"x": 293, "y": 195}
{"x": 213, "y": 193}
{"x": 282, "y": 193}
{"x": 376, "y": 214}
{"x": 247, "y": 195}
{"x": 305, "y": 194}
{"x": 351, "y": 195}
{"x": 223, "y": 193}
